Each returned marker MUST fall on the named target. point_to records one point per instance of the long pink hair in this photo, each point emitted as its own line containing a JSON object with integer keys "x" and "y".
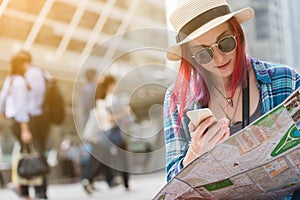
{"x": 184, "y": 92}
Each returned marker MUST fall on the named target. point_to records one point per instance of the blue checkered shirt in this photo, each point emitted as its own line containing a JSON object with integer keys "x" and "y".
{"x": 275, "y": 82}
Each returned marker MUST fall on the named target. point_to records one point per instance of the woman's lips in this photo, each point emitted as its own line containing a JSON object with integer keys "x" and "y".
{"x": 223, "y": 66}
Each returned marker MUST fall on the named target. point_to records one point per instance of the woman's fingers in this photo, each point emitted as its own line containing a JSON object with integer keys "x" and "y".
{"x": 225, "y": 136}
{"x": 203, "y": 126}
{"x": 191, "y": 126}
{"x": 219, "y": 135}
{"x": 217, "y": 130}
{"x": 208, "y": 134}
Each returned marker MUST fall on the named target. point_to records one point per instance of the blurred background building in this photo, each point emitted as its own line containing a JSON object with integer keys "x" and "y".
{"x": 272, "y": 35}
{"x": 127, "y": 38}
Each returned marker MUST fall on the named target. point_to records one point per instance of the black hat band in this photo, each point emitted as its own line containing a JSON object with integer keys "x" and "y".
{"x": 200, "y": 20}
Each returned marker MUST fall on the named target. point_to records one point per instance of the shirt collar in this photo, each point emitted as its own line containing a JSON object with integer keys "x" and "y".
{"x": 261, "y": 71}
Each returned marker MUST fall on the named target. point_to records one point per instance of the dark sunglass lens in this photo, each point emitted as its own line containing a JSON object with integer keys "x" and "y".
{"x": 204, "y": 56}
{"x": 227, "y": 44}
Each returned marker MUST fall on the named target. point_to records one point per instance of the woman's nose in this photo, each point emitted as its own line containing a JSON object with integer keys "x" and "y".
{"x": 218, "y": 54}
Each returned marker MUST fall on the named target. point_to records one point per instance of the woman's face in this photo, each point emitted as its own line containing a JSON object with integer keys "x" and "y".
{"x": 222, "y": 64}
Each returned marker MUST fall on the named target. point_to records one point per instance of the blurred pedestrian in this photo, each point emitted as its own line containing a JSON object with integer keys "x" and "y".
{"x": 21, "y": 100}
{"x": 113, "y": 138}
{"x": 87, "y": 95}
{"x": 87, "y": 103}
{"x": 105, "y": 132}
{"x": 92, "y": 134}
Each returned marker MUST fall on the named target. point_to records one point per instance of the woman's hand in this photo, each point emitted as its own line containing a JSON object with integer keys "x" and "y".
{"x": 204, "y": 137}
{"x": 26, "y": 135}
{"x": 3, "y": 115}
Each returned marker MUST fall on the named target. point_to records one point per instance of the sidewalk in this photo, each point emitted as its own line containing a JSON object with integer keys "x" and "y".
{"x": 143, "y": 187}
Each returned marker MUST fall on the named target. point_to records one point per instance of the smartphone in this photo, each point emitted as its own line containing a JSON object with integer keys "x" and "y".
{"x": 197, "y": 116}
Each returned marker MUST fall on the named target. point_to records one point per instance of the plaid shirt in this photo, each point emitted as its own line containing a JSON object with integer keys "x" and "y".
{"x": 275, "y": 82}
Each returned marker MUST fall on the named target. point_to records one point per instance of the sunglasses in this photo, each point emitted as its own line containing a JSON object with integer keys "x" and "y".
{"x": 206, "y": 55}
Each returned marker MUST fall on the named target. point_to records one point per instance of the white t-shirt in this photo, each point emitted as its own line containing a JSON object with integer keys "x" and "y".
{"x": 14, "y": 98}
{"x": 36, "y": 80}
{"x": 20, "y": 102}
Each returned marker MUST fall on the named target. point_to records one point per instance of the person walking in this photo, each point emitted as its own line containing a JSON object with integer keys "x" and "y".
{"x": 216, "y": 73}
{"x": 113, "y": 137}
{"x": 87, "y": 95}
{"x": 92, "y": 135}
{"x": 21, "y": 100}
{"x": 92, "y": 166}
{"x": 104, "y": 134}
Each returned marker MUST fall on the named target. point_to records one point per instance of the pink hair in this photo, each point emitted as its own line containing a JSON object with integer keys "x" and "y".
{"x": 182, "y": 88}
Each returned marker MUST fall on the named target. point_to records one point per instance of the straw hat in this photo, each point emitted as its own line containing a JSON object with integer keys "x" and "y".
{"x": 193, "y": 18}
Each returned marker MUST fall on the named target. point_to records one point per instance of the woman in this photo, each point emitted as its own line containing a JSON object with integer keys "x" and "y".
{"x": 92, "y": 134}
{"x": 216, "y": 73}
{"x": 108, "y": 138}
{"x": 112, "y": 135}
{"x": 15, "y": 100}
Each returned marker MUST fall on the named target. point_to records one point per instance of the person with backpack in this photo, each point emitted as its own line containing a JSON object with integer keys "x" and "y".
{"x": 22, "y": 99}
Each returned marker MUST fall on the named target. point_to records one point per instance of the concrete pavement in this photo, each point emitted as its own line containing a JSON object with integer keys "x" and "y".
{"x": 142, "y": 187}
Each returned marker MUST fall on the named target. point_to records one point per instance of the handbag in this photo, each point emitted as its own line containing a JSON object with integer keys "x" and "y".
{"x": 32, "y": 163}
{"x": 90, "y": 132}
{"x": 15, "y": 178}
{"x": 115, "y": 136}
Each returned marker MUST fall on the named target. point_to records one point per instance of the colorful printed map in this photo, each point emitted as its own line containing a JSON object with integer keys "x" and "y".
{"x": 264, "y": 162}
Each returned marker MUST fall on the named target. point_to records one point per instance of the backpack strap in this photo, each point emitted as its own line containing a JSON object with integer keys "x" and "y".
{"x": 246, "y": 104}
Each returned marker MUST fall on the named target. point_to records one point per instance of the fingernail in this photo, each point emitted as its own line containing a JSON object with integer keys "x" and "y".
{"x": 224, "y": 120}
{"x": 227, "y": 121}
